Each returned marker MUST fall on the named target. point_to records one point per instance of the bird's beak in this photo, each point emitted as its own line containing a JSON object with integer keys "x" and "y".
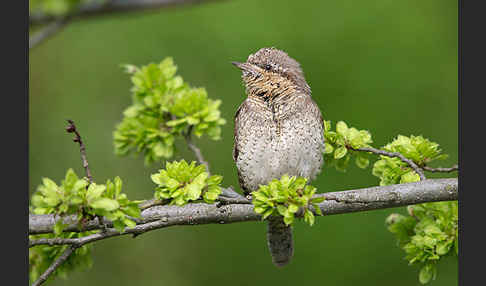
{"x": 242, "y": 66}
{"x": 237, "y": 64}
{"x": 245, "y": 67}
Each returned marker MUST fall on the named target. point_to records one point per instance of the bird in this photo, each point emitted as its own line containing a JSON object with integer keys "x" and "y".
{"x": 278, "y": 130}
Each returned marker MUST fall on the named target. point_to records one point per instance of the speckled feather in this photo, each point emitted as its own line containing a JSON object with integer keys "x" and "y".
{"x": 266, "y": 147}
{"x": 278, "y": 130}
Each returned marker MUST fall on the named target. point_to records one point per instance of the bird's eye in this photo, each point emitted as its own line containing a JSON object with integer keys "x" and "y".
{"x": 268, "y": 67}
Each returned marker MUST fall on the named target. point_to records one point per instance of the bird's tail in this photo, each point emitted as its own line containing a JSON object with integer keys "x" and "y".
{"x": 280, "y": 243}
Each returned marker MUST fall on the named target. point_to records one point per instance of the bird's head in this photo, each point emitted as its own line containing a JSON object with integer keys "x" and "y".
{"x": 270, "y": 73}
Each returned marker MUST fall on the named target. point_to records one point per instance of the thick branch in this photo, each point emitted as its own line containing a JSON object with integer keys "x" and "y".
{"x": 431, "y": 190}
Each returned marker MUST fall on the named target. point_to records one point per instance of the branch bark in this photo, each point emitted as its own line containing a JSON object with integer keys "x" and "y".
{"x": 441, "y": 170}
{"x": 414, "y": 166}
{"x": 195, "y": 149}
{"x": 64, "y": 256}
{"x": 113, "y": 6}
{"x": 155, "y": 217}
{"x": 55, "y": 24}
{"x": 71, "y": 128}
{"x": 47, "y": 31}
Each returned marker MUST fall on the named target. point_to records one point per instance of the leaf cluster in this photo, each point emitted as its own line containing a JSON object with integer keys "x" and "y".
{"x": 180, "y": 183}
{"x": 77, "y": 196}
{"x": 427, "y": 233}
{"x": 416, "y": 148}
{"x": 163, "y": 108}
{"x": 285, "y": 197}
{"x": 339, "y": 144}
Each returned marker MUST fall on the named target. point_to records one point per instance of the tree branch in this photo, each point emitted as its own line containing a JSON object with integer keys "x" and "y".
{"x": 441, "y": 170}
{"x": 414, "y": 166}
{"x": 195, "y": 149}
{"x": 47, "y": 31}
{"x": 55, "y": 23}
{"x": 366, "y": 199}
{"x": 64, "y": 256}
{"x": 71, "y": 128}
{"x": 113, "y": 6}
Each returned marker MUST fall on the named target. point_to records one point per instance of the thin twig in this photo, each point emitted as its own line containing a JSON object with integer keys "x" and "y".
{"x": 414, "y": 166}
{"x": 64, "y": 256}
{"x": 71, "y": 128}
{"x": 48, "y": 31}
{"x": 151, "y": 203}
{"x": 441, "y": 170}
{"x": 53, "y": 241}
{"x": 97, "y": 8}
{"x": 195, "y": 149}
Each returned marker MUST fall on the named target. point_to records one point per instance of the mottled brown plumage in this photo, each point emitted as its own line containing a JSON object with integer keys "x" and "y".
{"x": 278, "y": 130}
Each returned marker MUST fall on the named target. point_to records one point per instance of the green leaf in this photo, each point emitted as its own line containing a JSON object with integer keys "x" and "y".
{"x": 80, "y": 185}
{"x": 52, "y": 200}
{"x": 49, "y": 184}
{"x": 259, "y": 210}
{"x": 309, "y": 217}
{"x": 341, "y": 128}
{"x": 267, "y": 213}
{"x": 289, "y": 219}
{"x": 118, "y": 185}
{"x": 328, "y": 149}
{"x": 129, "y": 223}
{"x": 119, "y": 225}
{"x": 317, "y": 209}
{"x": 105, "y": 204}
{"x": 94, "y": 191}
{"x": 426, "y": 273}
{"x": 215, "y": 180}
{"x": 210, "y": 197}
{"x": 132, "y": 210}
{"x": 362, "y": 162}
{"x": 59, "y": 227}
{"x": 293, "y": 208}
{"x": 443, "y": 247}
{"x": 282, "y": 210}
{"x": 156, "y": 178}
{"x": 327, "y": 125}
{"x": 70, "y": 179}
{"x": 409, "y": 177}
{"x": 340, "y": 152}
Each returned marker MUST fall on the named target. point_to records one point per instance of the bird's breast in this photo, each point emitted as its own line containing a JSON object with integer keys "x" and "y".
{"x": 273, "y": 147}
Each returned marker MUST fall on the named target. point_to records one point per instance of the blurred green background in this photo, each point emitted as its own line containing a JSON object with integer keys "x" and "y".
{"x": 386, "y": 66}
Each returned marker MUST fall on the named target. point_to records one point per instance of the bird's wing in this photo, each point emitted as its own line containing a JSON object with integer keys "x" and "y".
{"x": 237, "y": 126}
{"x": 243, "y": 109}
